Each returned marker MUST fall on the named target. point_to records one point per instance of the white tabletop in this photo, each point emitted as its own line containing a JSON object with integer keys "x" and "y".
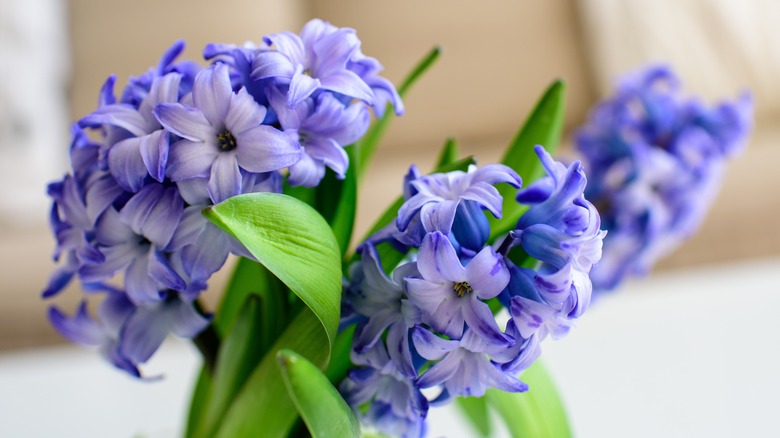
{"x": 684, "y": 354}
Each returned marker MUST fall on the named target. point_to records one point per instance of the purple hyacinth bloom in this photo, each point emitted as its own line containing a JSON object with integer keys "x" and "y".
{"x": 439, "y": 196}
{"x": 138, "y": 87}
{"x": 381, "y": 300}
{"x": 466, "y": 367}
{"x": 222, "y": 135}
{"x": 656, "y": 159}
{"x": 315, "y": 60}
{"x": 451, "y": 294}
{"x": 322, "y": 126}
{"x": 368, "y": 69}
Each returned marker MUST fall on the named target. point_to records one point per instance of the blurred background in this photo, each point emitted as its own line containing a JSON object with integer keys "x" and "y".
{"x": 498, "y": 57}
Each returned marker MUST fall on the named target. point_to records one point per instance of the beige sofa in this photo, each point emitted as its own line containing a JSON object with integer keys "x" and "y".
{"x": 498, "y": 57}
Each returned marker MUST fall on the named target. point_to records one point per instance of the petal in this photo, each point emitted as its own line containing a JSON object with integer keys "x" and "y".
{"x": 307, "y": 172}
{"x": 184, "y": 121}
{"x": 439, "y": 373}
{"x": 225, "y": 181}
{"x": 288, "y": 44}
{"x": 100, "y": 195}
{"x": 333, "y": 50}
{"x": 137, "y": 210}
{"x": 349, "y": 84}
{"x": 120, "y": 115}
{"x": 212, "y": 93}
{"x": 437, "y": 260}
{"x": 80, "y": 328}
{"x": 271, "y": 64}
{"x": 368, "y": 334}
{"x": 438, "y": 216}
{"x": 430, "y": 346}
{"x": 398, "y": 349}
{"x": 189, "y": 159}
{"x": 301, "y": 87}
{"x": 127, "y": 165}
{"x": 144, "y": 332}
{"x": 264, "y": 149}
{"x": 140, "y": 286}
{"x": 480, "y": 319}
{"x": 244, "y": 113}
{"x": 187, "y": 322}
{"x": 485, "y": 195}
{"x": 192, "y": 223}
{"x": 411, "y": 207}
{"x": 207, "y": 255}
{"x": 162, "y": 272}
{"x": 330, "y": 153}
{"x": 487, "y": 273}
{"x": 154, "y": 152}
{"x": 427, "y": 295}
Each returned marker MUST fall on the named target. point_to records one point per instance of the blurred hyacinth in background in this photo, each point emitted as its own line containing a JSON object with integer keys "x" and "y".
{"x": 656, "y": 158}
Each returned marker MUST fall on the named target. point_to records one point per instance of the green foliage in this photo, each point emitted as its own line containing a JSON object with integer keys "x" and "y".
{"x": 543, "y": 127}
{"x": 322, "y": 408}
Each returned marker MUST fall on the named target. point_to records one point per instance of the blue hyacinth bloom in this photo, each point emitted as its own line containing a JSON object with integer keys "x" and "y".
{"x": 656, "y": 159}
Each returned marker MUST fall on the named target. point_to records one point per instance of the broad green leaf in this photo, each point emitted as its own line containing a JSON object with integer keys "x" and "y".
{"x": 263, "y": 403}
{"x": 367, "y": 145}
{"x": 542, "y": 127}
{"x": 322, "y": 408}
{"x": 240, "y": 352}
{"x": 199, "y": 403}
{"x": 538, "y": 412}
{"x": 477, "y": 411}
{"x": 294, "y": 242}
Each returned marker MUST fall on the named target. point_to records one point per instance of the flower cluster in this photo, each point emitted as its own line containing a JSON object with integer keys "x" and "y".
{"x": 430, "y": 325}
{"x": 655, "y": 159}
{"x": 128, "y": 221}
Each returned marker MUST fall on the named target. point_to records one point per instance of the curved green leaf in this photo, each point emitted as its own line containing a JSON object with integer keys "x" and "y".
{"x": 368, "y": 144}
{"x": 294, "y": 242}
{"x": 542, "y": 127}
{"x": 263, "y": 403}
{"x": 322, "y": 408}
{"x": 198, "y": 403}
{"x": 538, "y": 412}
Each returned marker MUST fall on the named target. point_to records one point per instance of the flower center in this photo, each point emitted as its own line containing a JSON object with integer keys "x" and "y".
{"x": 226, "y": 141}
{"x": 462, "y": 288}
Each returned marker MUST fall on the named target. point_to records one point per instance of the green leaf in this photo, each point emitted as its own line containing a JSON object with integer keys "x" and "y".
{"x": 322, "y": 408}
{"x": 477, "y": 411}
{"x": 538, "y": 412}
{"x": 198, "y": 403}
{"x": 367, "y": 145}
{"x": 543, "y": 127}
{"x": 448, "y": 154}
{"x": 294, "y": 242}
{"x": 238, "y": 355}
{"x": 251, "y": 278}
{"x": 263, "y": 403}
{"x": 340, "y": 362}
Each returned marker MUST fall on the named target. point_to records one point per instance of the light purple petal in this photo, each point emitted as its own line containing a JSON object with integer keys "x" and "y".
{"x": 192, "y": 223}
{"x": 480, "y": 319}
{"x": 244, "y": 113}
{"x": 367, "y": 335}
{"x": 288, "y": 44}
{"x": 307, "y": 172}
{"x": 348, "y": 83}
{"x": 140, "y": 286}
{"x": 330, "y": 153}
{"x": 212, "y": 93}
{"x": 184, "y": 121}
{"x": 410, "y": 208}
{"x": 187, "y": 322}
{"x": 140, "y": 206}
{"x": 487, "y": 273}
{"x": 144, "y": 332}
{"x": 189, "y": 159}
{"x": 264, "y": 149}
{"x": 127, "y": 164}
{"x": 207, "y": 255}
{"x": 428, "y": 295}
{"x": 439, "y": 373}
{"x": 438, "y": 216}
{"x": 111, "y": 231}
{"x": 301, "y": 87}
{"x": 162, "y": 272}
{"x": 437, "y": 260}
{"x": 270, "y": 64}
{"x": 100, "y": 195}
{"x": 485, "y": 195}
{"x": 225, "y": 181}
{"x": 154, "y": 152}
{"x": 122, "y": 116}
{"x": 398, "y": 349}
{"x": 80, "y": 328}
{"x": 430, "y": 346}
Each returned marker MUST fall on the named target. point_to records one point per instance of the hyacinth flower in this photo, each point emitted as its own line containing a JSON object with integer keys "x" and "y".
{"x": 656, "y": 158}
{"x": 457, "y": 344}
